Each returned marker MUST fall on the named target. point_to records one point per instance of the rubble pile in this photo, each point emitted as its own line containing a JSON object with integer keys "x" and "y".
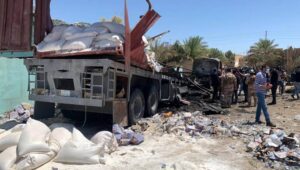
{"x": 275, "y": 147}
{"x": 194, "y": 124}
{"x": 20, "y": 113}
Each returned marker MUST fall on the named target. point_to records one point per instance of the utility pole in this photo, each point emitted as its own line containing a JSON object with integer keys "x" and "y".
{"x": 266, "y": 35}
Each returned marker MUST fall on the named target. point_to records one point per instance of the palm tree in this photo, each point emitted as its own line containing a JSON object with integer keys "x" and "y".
{"x": 195, "y": 47}
{"x": 216, "y": 53}
{"x": 263, "y": 52}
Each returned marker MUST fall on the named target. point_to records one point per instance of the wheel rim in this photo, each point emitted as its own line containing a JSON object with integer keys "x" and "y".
{"x": 152, "y": 102}
{"x": 137, "y": 107}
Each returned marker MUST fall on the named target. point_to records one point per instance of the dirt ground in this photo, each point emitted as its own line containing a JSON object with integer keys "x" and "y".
{"x": 184, "y": 152}
{"x": 173, "y": 152}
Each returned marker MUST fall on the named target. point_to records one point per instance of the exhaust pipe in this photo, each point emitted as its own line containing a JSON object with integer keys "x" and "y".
{"x": 150, "y": 5}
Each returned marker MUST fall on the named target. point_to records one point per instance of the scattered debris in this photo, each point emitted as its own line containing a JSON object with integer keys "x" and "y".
{"x": 20, "y": 113}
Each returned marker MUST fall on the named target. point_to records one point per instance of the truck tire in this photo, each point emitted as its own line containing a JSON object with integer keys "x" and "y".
{"x": 152, "y": 101}
{"x": 136, "y": 107}
{"x": 43, "y": 110}
{"x": 73, "y": 115}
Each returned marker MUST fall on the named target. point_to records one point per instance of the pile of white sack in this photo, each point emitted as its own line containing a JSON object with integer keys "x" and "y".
{"x": 101, "y": 35}
{"x": 31, "y": 145}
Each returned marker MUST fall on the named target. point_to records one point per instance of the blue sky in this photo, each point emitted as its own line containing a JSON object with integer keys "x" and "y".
{"x": 225, "y": 24}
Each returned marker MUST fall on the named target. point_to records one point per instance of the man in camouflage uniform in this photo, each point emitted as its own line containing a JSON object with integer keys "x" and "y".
{"x": 228, "y": 85}
{"x": 250, "y": 81}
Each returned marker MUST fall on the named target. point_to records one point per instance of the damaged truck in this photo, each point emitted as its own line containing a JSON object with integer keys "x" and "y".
{"x": 114, "y": 80}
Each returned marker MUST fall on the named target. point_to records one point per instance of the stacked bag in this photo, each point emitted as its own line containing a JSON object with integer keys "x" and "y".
{"x": 29, "y": 146}
{"x": 100, "y": 35}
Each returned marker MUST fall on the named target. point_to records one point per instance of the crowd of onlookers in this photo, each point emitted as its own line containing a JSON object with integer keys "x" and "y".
{"x": 228, "y": 84}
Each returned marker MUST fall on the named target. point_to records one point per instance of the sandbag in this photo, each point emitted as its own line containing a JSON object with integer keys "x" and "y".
{"x": 99, "y": 30}
{"x": 80, "y": 150}
{"x": 105, "y": 44}
{"x": 106, "y": 139}
{"x": 55, "y": 34}
{"x": 35, "y": 160}
{"x": 111, "y": 37}
{"x": 16, "y": 128}
{"x": 114, "y": 27}
{"x": 9, "y": 140}
{"x": 60, "y": 135}
{"x": 8, "y": 158}
{"x": 82, "y": 35}
{"x": 34, "y": 138}
{"x": 50, "y": 46}
{"x": 78, "y": 44}
{"x": 71, "y": 30}
{"x": 2, "y": 131}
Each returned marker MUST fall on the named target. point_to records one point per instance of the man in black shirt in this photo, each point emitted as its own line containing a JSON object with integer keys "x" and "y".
{"x": 274, "y": 82}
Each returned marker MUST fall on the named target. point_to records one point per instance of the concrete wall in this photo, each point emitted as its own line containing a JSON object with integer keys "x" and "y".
{"x": 13, "y": 83}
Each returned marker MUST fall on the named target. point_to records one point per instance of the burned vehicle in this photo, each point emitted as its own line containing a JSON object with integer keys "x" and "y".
{"x": 204, "y": 69}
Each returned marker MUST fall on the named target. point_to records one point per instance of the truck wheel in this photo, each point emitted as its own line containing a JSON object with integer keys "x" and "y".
{"x": 73, "y": 115}
{"x": 43, "y": 110}
{"x": 136, "y": 106}
{"x": 152, "y": 101}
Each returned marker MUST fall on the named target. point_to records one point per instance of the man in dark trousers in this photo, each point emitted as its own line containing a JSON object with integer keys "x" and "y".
{"x": 274, "y": 82}
{"x": 215, "y": 82}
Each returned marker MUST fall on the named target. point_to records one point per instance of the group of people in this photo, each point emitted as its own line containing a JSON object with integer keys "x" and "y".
{"x": 255, "y": 85}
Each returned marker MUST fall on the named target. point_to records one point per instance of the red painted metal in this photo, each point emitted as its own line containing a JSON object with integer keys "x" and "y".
{"x": 15, "y": 25}
{"x": 127, "y": 40}
{"x": 138, "y": 56}
{"x": 43, "y": 21}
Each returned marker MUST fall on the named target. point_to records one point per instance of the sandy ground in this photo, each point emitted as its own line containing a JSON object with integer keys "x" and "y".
{"x": 184, "y": 152}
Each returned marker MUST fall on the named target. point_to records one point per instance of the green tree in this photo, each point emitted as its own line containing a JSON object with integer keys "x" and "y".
{"x": 115, "y": 19}
{"x": 57, "y": 22}
{"x": 230, "y": 57}
{"x": 216, "y": 53}
{"x": 163, "y": 51}
{"x": 195, "y": 47}
{"x": 263, "y": 52}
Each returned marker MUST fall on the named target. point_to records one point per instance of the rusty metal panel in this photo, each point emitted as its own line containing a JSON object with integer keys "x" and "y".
{"x": 142, "y": 27}
{"x": 138, "y": 56}
{"x": 43, "y": 21}
{"x": 15, "y": 25}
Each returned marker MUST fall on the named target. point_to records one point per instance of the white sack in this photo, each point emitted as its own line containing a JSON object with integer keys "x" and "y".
{"x": 104, "y": 44}
{"x": 78, "y": 44}
{"x": 80, "y": 150}
{"x": 114, "y": 27}
{"x": 99, "y": 30}
{"x": 8, "y": 158}
{"x": 34, "y": 138}
{"x": 71, "y": 30}
{"x": 111, "y": 37}
{"x": 50, "y": 46}
{"x": 82, "y": 35}
{"x": 55, "y": 34}
{"x": 2, "y": 131}
{"x": 106, "y": 139}
{"x": 35, "y": 160}
{"x": 17, "y": 128}
{"x": 60, "y": 135}
{"x": 10, "y": 140}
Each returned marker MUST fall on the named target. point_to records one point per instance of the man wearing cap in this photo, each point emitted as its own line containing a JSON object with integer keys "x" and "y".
{"x": 228, "y": 85}
{"x": 250, "y": 81}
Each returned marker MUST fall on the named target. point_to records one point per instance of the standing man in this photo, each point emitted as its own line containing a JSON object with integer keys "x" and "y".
{"x": 235, "y": 93}
{"x": 250, "y": 81}
{"x": 296, "y": 79}
{"x": 261, "y": 87}
{"x": 274, "y": 82}
{"x": 228, "y": 85}
{"x": 215, "y": 82}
